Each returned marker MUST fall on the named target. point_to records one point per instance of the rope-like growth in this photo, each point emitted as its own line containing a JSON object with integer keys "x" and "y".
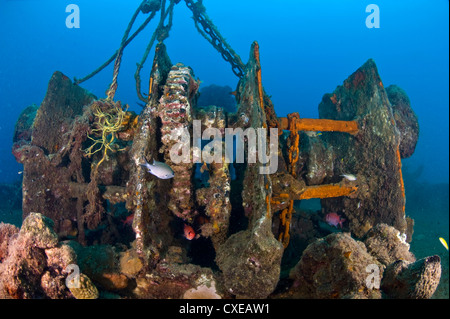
{"x": 113, "y": 87}
{"x": 123, "y": 45}
{"x": 161, "y": 33}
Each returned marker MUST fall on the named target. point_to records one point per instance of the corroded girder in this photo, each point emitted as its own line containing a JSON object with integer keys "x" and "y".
{"x": 280, "y": 201}
{"x": 323, "y": 125}
{"x": 326, "y": 191}
{"x": 294, "y": 123}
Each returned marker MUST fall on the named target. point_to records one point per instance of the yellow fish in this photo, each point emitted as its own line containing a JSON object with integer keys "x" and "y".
{"x": 443, "y": 242}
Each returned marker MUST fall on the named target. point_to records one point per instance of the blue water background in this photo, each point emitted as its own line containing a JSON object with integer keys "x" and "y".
{"x": 307, "y": 48}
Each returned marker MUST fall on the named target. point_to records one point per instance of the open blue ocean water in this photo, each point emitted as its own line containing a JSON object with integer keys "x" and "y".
{"x": 307, "y": 48}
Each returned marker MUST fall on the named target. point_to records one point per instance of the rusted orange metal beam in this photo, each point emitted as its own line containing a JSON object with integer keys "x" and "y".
{"x": 402, "y": 185}
{"x": 323, "y": 125}
{"x": 316, "y": 191}
{"x": 326, "y": 191}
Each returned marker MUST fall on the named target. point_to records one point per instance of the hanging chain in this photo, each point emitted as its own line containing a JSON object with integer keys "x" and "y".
{"x": 212, "y": 35}
{"x": 203, "y": 24}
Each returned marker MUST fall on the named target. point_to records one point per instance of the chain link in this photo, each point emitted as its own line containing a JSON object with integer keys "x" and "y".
{"x": 212, "y": 35}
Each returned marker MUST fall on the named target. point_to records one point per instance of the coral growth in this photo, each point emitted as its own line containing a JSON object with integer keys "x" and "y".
{"x": 202, "y": 292}
{"x": 6, "y": 231}
{"x": 387, "y": 245}
{"x": 412, "y": 280}
{"x": 40, "y": 230}
{"x": 24, "y": 265}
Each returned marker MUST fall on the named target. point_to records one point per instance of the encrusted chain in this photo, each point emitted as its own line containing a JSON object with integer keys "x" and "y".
{"x": 210, "y": 33}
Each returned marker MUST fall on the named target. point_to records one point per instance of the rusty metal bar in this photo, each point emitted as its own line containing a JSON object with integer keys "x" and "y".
{"x": 327, "y": 191}
{"x": 323, "y": 125}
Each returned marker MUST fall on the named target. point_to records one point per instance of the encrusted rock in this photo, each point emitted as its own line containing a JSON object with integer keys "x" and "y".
{"x": 412, "y": 280}
{"x": 250, "y": 262}
{"x": 96, "y": 261}
{"x": 405, "y": 119}
{"x": 54, "y": 285}
{"x": 130, "y": 264}
{"x": 23, "y": 130}
{"x": 60, "y": 261}
{"x": 40, "y": 229}
{"x": 61, "y": 256}
{"x": 31, "y": 271}
{"x": 113, "y": 281}
{"x": 6, "y": 231}
{"x": 21, "y": 270}
{"x": 387, "y": 245}
{"x": 335, "y": 266}
{"x": 172, "y": 280}
{"x": 176, "y": 254}
{"x": 371, "y": 154}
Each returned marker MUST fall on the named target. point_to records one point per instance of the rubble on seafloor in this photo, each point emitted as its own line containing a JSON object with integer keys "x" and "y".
{"x": 90, "y": 210}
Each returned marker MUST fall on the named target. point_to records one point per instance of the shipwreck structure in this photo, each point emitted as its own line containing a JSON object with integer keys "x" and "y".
{"x": 103, "y": 212}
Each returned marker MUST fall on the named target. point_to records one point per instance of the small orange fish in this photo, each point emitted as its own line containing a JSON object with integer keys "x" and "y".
{"x": 189, "y": 232}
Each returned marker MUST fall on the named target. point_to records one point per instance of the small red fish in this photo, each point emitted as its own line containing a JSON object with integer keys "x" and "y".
{"x": 334, "y": 219}
{"x": 128, "y": 220}
{"x": 189, "y": 232}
